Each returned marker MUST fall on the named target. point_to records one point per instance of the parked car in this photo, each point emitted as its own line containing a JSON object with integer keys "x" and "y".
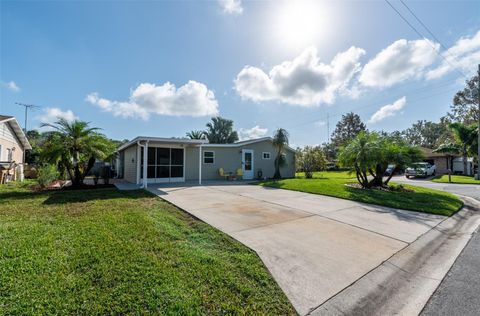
{"x": 420, "y": 169}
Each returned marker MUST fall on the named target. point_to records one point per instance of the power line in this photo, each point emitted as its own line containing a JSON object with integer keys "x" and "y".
{"x": 428, "y": 30}
{"x": 365, "y": 107}
{"x": 421, "y": 35}
{"x": 377, "y": 101}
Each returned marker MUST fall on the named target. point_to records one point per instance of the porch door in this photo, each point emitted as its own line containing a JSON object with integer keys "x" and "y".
{"x": 247, "y": 164}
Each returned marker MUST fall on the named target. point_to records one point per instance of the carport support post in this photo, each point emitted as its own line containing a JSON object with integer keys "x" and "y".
{"x": 200, "y": 165}
{"x": 145, "y": 161}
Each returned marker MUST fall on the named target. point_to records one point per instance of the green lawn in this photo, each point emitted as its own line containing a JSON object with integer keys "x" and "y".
{"x": 456, "y": 179}
{"x": 333, "y": 184}
{"x": 110, "y": 252}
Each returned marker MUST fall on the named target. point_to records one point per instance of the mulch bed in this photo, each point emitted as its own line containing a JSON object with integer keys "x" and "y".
{"x": 384, "y": 188}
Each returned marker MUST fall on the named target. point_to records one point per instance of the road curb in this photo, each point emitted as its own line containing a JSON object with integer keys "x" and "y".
{"x": 403, "y": 284}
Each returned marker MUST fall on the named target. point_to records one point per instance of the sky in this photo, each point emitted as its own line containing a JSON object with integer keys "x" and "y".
{"x": 163, "y": 68}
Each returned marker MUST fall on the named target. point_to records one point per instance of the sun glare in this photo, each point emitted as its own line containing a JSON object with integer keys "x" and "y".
{"x": 300, "y": 23}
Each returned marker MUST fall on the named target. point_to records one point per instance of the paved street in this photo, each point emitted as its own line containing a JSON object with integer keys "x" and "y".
{"x": 459, "y": 292}
{"x": 471, "y": 190}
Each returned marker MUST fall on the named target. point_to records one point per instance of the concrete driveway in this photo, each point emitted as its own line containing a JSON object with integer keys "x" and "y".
{"x": 313, "y": 245}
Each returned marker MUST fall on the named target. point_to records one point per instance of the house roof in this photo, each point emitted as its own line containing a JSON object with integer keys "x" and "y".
{"x": 203, "y": 142}
{"x": 163, "y": 140}
{"x": 12, "y": 122}
{"x": 428, "y": 152}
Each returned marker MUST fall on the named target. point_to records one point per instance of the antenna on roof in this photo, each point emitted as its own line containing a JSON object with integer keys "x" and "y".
{"x": 27, "y": 107}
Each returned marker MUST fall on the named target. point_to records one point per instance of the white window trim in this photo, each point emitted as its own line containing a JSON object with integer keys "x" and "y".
{"x": 1, "y": 152}
{"x": 269, "y": 155}
{"x": 208, "y": 163}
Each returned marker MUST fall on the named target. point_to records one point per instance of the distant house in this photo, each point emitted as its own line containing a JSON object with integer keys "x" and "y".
{"x": 13, "y": 144}
{"x": 444, "y": 162}
{"x": 180, "y": 160}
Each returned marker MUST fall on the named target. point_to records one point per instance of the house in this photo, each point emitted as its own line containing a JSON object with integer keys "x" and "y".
{"x": 180, "y": 160}
{"x": 13, "y": 144}
{"x": 444, "y": 162}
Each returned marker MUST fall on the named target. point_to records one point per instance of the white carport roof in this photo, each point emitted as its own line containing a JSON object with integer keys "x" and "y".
{"x": 203, "y": 142}
{"x": 12, "y": 122}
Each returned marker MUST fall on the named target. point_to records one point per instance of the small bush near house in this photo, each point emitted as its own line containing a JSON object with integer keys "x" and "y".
{"x": 47, "y": 174}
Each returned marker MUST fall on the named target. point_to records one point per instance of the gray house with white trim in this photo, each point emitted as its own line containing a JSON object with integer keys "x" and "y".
{"x": 180, "y": 160}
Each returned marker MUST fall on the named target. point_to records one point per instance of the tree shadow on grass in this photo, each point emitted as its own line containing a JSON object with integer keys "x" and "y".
{"x": 63, "y": 197}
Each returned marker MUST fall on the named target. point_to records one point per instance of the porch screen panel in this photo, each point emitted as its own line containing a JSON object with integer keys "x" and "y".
{"x": 163, "y": 162}
{"x": 176, "y": 168}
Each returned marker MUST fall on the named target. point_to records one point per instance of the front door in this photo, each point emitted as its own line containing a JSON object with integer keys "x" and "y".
{"x": 247, "y": 164}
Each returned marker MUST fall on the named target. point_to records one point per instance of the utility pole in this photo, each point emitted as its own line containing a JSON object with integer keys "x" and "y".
{"x": 27, "y": 107}
{"x": 328, "y": 129}
{"x": 478, "y": 130}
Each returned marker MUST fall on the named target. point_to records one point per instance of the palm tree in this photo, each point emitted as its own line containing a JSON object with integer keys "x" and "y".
{"x": 362, "y": 154}
{"x": 465, "y": 139}
{"x": 280, "y": 141}
{"x": 220, "y": 131}
{"x": 196, "y": 134}
{"x": 75, "y": 146}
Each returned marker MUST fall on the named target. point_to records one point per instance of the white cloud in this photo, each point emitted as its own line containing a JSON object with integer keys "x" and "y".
{"x": 52, "y": 115}
{"x": 388, "y": 110}
{"x": 231, "y": 6}
{"x": 12, "y": 86}
{"x": 465, "y": 54}
{"x": 192, "y": 99}
{"x": 398, "y": 62}
{"x": 303, "y": 81}
{"x": 320, "y": 123}
{"x": 251, "y": 133}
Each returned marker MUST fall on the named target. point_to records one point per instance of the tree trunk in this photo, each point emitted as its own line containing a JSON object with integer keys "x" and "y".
{"x": 464, "y": 162}
{"x": 277, "y": 174}
{"x": 390, "y": 176}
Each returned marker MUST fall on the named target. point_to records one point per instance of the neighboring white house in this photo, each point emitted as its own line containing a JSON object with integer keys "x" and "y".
{"x": 13, "y": 144}
{"x": 179, "y": 160}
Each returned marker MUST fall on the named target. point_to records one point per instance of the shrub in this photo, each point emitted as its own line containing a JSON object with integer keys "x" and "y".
{"x": 47, "y": 174}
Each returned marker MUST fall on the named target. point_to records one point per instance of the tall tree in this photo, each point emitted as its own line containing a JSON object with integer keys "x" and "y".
{"x": 220, "y": 131}
{"x": 347, "y": 129}
{"x": 196, "y": 134}
{"x": 280, "y": 142}
{"x": 74, "y": 147}
{"x": 465, "y": 103}
{"x": 426, "y": 133}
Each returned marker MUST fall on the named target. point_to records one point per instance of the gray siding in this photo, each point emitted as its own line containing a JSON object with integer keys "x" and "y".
{"x": 130, "y": 168}
{"x": 230, "y": 159}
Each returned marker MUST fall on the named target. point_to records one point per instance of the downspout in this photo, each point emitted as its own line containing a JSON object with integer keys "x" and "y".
{"x": 200, "y": 164}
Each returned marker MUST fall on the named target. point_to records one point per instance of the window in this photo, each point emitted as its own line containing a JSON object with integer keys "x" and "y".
{"x": 9, "y": 155}
{"x": 266, "y": 155}
{"x": 1, "y": 153}
{"x": 208, "y": 157}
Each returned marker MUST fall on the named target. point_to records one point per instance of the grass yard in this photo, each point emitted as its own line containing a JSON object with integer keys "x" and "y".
{"x": 456, "y": 179}
{"x": 333, "y": 184}
{"x": 111, "y": 252}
